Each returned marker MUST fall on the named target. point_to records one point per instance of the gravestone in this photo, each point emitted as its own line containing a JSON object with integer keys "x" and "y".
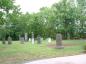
{"x": 49, "y": 40}
{"x": 29, "y": 39}
{"x": 22, "y": 40}
{"x": 39, "y": 39}
{"x": 26, "y": 37}
{"x": 9, "y": 40}
{"x": 19, "y": 38}
{"x": 59, "y": 41}
{"x": 32, "y": 38}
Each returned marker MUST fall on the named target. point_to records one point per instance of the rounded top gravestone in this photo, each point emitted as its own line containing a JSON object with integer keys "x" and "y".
{"x": 59, "y": 41}
{"x": 9, "y": 40}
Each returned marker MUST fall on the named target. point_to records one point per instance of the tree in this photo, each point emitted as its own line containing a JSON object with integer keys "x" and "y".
{"x": 6, "y": 8}
{"x": 81, "y": 6}
{"x": 66, "y": 16}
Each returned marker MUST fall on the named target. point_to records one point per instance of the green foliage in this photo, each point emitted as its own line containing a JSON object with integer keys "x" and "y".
{"x": 66, "y": 17}
{"x": 8, "y": 11}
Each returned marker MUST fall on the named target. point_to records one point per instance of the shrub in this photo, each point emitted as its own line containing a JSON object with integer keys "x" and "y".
{"x": 84, "y": 48}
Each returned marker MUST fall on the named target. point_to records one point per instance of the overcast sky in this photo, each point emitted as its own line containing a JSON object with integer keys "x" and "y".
{"x": 34, "y": 5}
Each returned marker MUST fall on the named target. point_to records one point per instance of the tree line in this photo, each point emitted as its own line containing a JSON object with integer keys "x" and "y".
{"x": 67, "y": 17}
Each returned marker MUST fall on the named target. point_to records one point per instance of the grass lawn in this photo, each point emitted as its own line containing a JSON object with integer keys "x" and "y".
{"x": 17, "y": 53}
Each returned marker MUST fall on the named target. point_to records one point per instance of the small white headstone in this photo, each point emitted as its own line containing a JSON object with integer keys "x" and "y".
{"x": 49, "y": 40}
{"x": 29, "y": 39}
{"x": 32, "y": 40}
{"x": 41, "y": 38}
{"x": 26, "y": 37}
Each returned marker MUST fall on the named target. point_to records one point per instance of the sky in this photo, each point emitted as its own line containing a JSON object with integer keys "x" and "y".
{"x": 34, "y": 5}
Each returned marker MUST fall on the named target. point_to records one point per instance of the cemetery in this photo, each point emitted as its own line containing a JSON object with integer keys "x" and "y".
{"x": 20, "y": 53}
{"x": 54, "y": 35}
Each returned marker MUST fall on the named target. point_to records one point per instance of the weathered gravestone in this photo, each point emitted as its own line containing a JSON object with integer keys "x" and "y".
{"x": 9, "y": 40}
{"x": 22, "y": 40}
{"x": 59, "y": 41}
{"x": 32, "y": 38}
{"x": 26, "y": 37}
{"x": 39, "y": 39}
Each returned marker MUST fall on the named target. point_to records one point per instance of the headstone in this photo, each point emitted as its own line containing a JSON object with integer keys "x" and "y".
{"x": 9, "y": 40}
{"x": 49, "y": 40}
{"x": 19, "y": 38}
{"x": 22, "y": 40}
{"x": 29, "y": 39}
{"x": 59, "y": 41}
{"x": 26, "y": 37}
{"x": 39, "y": 39}
{"x": 32, "y": 38}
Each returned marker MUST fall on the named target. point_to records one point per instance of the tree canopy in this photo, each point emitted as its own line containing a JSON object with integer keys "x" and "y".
{"x": 67, "y": 17}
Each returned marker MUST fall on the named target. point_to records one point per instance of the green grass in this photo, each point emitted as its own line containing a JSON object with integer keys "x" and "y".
{"x": 18, "y": 53}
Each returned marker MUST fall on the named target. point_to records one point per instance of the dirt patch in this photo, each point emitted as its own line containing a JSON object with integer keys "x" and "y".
{"x": 65, "y": 45}
{"x": 70, "y": 44}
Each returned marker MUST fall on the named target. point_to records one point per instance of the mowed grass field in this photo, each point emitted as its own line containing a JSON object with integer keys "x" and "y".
{"x": 17, "y": 53}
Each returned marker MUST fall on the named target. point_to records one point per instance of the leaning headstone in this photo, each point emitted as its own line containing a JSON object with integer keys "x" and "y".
{"x": 32, "y": 38}
{"x": 9, "y": 40}
{"x": 49, "y": 40}
{"x": 39, "y": 39}
{"x": 22, "y": 40}
{"x": 26, "y": 37}
{"x": 59, "y": 41}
